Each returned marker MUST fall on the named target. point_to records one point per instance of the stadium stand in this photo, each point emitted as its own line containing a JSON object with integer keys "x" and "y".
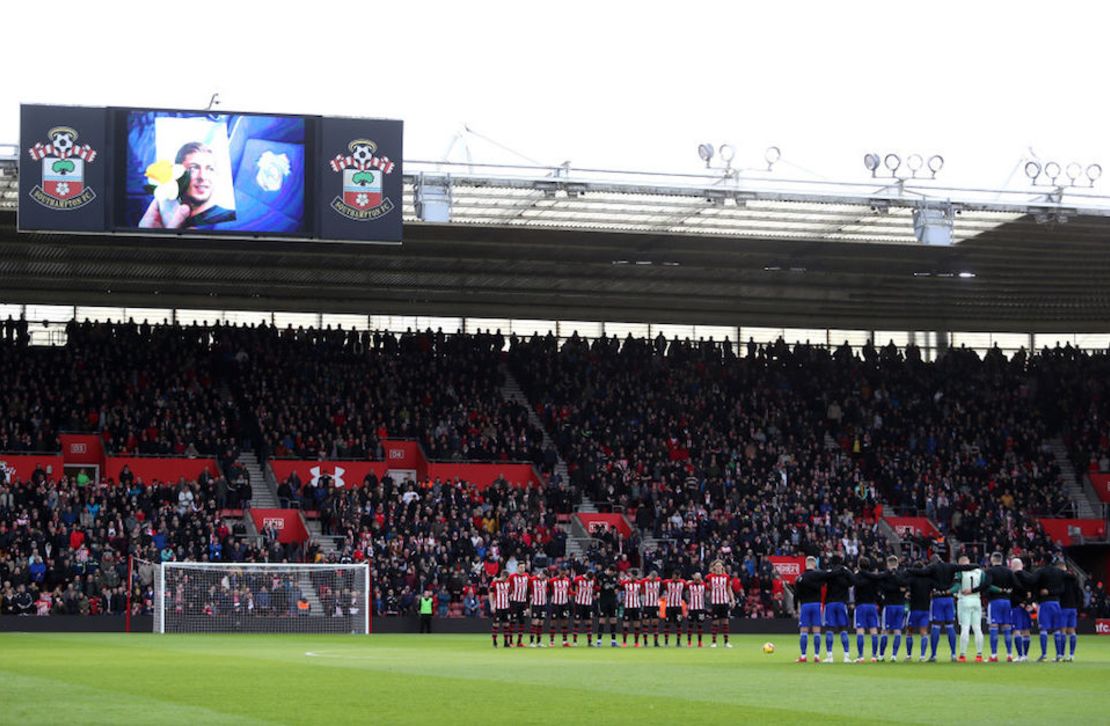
{"x": 709, "y": 450}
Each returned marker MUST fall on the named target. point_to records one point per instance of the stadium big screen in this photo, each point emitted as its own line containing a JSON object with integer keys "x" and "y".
{"x": 201, "y": 173}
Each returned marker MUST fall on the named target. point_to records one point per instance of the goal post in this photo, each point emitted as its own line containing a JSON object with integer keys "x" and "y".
{"x": 248, "y": 597}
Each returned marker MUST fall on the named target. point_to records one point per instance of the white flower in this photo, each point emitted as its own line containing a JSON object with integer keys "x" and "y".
{"x": 362, "y": 200}
{"x": 63, "y": 189}
{"x": 272, "y": 170}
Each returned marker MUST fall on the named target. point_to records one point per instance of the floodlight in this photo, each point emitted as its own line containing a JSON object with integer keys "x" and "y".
{"x": 727, "y": 153}
{"x": 1032, "y": 170}
{"x": 871, "y": 161}
{"x": 936, "y": 163}
{"x": 1094, "y": 171}
{"x": 1073, "y": 171}
{"x": 1052, "y": 170}
{"x": 705, "y": 151}
{"x": 771, "y": 156}
{"x": 892, "y": 162}
{"x": 915, "y": 162}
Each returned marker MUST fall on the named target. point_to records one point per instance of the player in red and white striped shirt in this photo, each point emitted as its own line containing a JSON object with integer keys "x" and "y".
{"x": 673, "y": 590}
{"x": 538, "y": 599}
{"x": 651, "y": 586}
{"x": 560, "y": 606}
{"x": 632, "y": 589}
{"x": 518, "y": 600}
{"x": 695, "y": 615}
{"x": 584, "y": 590}
{"x": 499, "y": 610}
{"x": 721, "y": 600}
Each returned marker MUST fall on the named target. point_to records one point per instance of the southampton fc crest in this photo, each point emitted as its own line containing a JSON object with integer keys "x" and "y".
{"x": 363, "y": 196}
{"x": 63, "y": 170}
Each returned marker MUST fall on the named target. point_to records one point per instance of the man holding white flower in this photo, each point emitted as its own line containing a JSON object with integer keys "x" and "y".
{"x": 190, "y": 182}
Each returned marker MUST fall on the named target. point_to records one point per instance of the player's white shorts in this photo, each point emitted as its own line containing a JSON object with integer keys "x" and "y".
{"x": 970, "y": 613}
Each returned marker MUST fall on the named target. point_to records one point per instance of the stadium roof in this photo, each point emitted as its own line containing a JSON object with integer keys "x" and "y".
{"x": 596, "y": 245}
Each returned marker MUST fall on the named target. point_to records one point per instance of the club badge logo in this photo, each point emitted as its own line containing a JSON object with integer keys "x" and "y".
{"x": 363, "y": 197}
{"x": 63, "y": 170}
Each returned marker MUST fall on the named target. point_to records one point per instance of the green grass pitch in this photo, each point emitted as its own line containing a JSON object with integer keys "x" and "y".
{"x": 461, "y": 679}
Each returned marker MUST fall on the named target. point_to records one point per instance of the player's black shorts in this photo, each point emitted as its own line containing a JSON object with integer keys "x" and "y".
{"x": 503, "y": 616}
{"x": 632, "y": 614}
{"x": 720, "y": 612}
{"x": 695, "y": 616}
{"x": 674, "y": 615}
{"x": 607, "y": 609}
{"x": 518, "y": 609}
{"x": 584, "y": 612}
{"x": 560, "y": 612}
{"x": 539, "y": 611}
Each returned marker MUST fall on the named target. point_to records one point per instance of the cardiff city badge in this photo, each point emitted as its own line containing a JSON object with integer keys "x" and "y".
{"x": 63, "y": 170}
{"x": 363, "y": 197}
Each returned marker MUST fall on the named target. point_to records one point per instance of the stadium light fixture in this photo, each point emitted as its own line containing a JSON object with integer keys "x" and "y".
{"x": 892, "y": 162}
{"x": 1032, "y": 170}
{"x": 705, "y": 153}
{"x": 1052, "y": 171}
{"x": 936, "y": 163}
{"x": 915, "y": 162}
{"x": 727, "y": 153}
{"x": 1094, "y": 171}
{"x": 771, "y": 156}
{"x": 871, "y": 162}
{"x": 1073, "y": 172}
{"x": 967, "y": 275}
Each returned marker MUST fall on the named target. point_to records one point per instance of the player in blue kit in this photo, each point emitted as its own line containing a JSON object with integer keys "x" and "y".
{"x": 1070, "y": 600}
{"x": 807, "y": 592}
{"x": 1021, "y": 602}
{"x": 867, "y": 609}
{"x": 999, "y": 607}
{"x": 836, "y": 607}
{"x": 921, "y": 593}
{"x": 893, "y": 590}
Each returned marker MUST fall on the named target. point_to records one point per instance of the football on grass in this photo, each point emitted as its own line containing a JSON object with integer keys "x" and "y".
{"x": 768, "y": 648}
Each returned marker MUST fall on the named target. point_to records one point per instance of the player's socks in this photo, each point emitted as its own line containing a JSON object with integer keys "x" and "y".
{"x": 1008, "y": 636}
{"x": 805, "y": 643}
{"x": 624, "y": 637}
{"x": 994, "y": 640}
{"x": 1072, "y": 639}
{"x": 726, "y": 641}
{"x": 951, "y": 630}
{"x": 816, "y": 645}
{"x": 897, "y": 645}
{"x": 874, "y": 646}
{"x": 934, "y": 641}
{"x": 1027, "y": 641}
{"x": 714, "y": 631}
{"x": 924, "y": 645}
{"x": 882, "y": 646}
{"x": 909, "y": 645}
{"x": 859, "y": 645}
{"x": 1044, "y": 644}
{"x": 1058, "y": 641}
{"x": 828, "y": 640}
{"x": 843, "y": 642}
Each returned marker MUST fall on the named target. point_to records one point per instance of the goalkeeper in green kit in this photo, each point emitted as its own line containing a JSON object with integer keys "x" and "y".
{"x": 969, "y": 607}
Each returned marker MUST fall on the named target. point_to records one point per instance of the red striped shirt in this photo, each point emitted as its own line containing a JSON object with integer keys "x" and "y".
{"x": 651, "y": 592}
{"x": 539, "y": 591}
{"x": 631, "y": 593}
{"x": 583, "y": 590}
{"x": 719, "y": 587}
{"x": 500, "y": 591}
{"x": 696, "y": 593}
{"x": 674, "y": 590}
{"x": 519, "y": 581}
{"x": 560, "y": 590}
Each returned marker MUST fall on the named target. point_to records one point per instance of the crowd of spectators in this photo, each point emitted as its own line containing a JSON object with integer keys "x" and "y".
{"x": 784, "y": 450}
{"x": 144, "y": 389}
{"x": 337, "y": 394}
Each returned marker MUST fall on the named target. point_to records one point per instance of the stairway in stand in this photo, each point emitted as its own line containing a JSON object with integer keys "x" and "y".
{"x": 263, "y": 494}
{"x": 1076, "y": 489}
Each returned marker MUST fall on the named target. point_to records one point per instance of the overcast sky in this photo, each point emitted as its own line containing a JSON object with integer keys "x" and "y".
{"x": 607, "y": 84}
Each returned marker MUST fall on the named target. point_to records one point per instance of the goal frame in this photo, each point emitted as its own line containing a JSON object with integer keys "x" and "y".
{"x": 160, "y": 582}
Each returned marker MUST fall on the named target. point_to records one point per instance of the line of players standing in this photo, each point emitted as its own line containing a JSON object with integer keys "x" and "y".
{"x": 649, "y": 606}
{"x": 920, "y": 600}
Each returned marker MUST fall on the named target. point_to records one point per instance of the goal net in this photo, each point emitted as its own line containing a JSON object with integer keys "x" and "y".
{"x": 242, "y": 597}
